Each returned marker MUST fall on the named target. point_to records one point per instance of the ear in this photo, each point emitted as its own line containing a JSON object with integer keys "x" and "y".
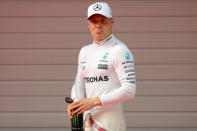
{"x": 88, "y": 23}
{"x": 112, "y": 20}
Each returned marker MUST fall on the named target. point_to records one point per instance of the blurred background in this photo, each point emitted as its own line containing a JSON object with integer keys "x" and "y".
{"x": 39, "y": 45}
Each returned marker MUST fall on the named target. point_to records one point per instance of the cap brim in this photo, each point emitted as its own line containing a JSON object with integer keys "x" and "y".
{"x": 97, "y": 14}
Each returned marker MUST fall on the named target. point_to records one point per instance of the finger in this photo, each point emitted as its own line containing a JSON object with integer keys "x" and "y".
{"x": 69, "y": 109}
{"x": 70, "y": 116}
{"x": 81, "y": 111}
{"x": 76, "y": 111}
{"x": 69, "y": 112}
{"x": 75, "y": 103}
{"x": 75, "y": 106}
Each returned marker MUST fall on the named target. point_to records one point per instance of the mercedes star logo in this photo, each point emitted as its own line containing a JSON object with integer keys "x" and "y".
{"x": 97, "y": 7}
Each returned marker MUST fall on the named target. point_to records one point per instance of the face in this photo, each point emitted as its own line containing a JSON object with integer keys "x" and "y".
{"x": 100, "y": 27}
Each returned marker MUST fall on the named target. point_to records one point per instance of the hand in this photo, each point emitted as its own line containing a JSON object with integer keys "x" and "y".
{"x": 69, "y": 111}
{"x": 83, "y": 105}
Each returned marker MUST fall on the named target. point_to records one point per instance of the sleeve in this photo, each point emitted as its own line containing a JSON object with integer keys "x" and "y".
{"x": 78, "y": 90}
{"x": 123, "y": 63}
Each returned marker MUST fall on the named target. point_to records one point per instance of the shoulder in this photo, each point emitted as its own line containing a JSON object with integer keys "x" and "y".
{"x": 121, "y": 51}
{"x": 119, "y": 47}
{"x": 85, "y": 49}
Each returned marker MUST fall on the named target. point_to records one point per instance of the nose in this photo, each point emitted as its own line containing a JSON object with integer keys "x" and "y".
{"x": 98, "y": 24}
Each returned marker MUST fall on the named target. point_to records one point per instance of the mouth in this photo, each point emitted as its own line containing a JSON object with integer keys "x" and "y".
{"x": 99, "y": 31}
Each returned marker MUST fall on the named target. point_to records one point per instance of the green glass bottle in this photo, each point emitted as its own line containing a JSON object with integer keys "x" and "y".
{"x": 77, "y": 120}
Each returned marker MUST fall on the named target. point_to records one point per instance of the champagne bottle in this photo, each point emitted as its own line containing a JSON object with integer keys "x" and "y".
{"x": 77, "y": 120}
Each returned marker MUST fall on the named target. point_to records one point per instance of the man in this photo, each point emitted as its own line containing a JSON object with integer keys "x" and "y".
{"x": 105, "y": 77}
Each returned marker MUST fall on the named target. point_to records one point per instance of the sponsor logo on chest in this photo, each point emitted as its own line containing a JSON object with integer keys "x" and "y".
{"x": 96, "y": 79}
{"x": 103, "y": 66}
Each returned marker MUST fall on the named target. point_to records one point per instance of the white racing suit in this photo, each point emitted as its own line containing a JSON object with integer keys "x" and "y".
{"x": 106, "y": 69}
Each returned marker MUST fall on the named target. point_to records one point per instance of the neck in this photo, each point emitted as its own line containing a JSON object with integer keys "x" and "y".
{"x": 99, "y": 40}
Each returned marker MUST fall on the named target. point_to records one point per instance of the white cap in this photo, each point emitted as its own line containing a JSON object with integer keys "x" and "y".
{"x": 101, "y": 8}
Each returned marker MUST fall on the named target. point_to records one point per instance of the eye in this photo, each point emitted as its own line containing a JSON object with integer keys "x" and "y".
{"x": 104, "y": 21}
{"x": 93, "y": 21}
